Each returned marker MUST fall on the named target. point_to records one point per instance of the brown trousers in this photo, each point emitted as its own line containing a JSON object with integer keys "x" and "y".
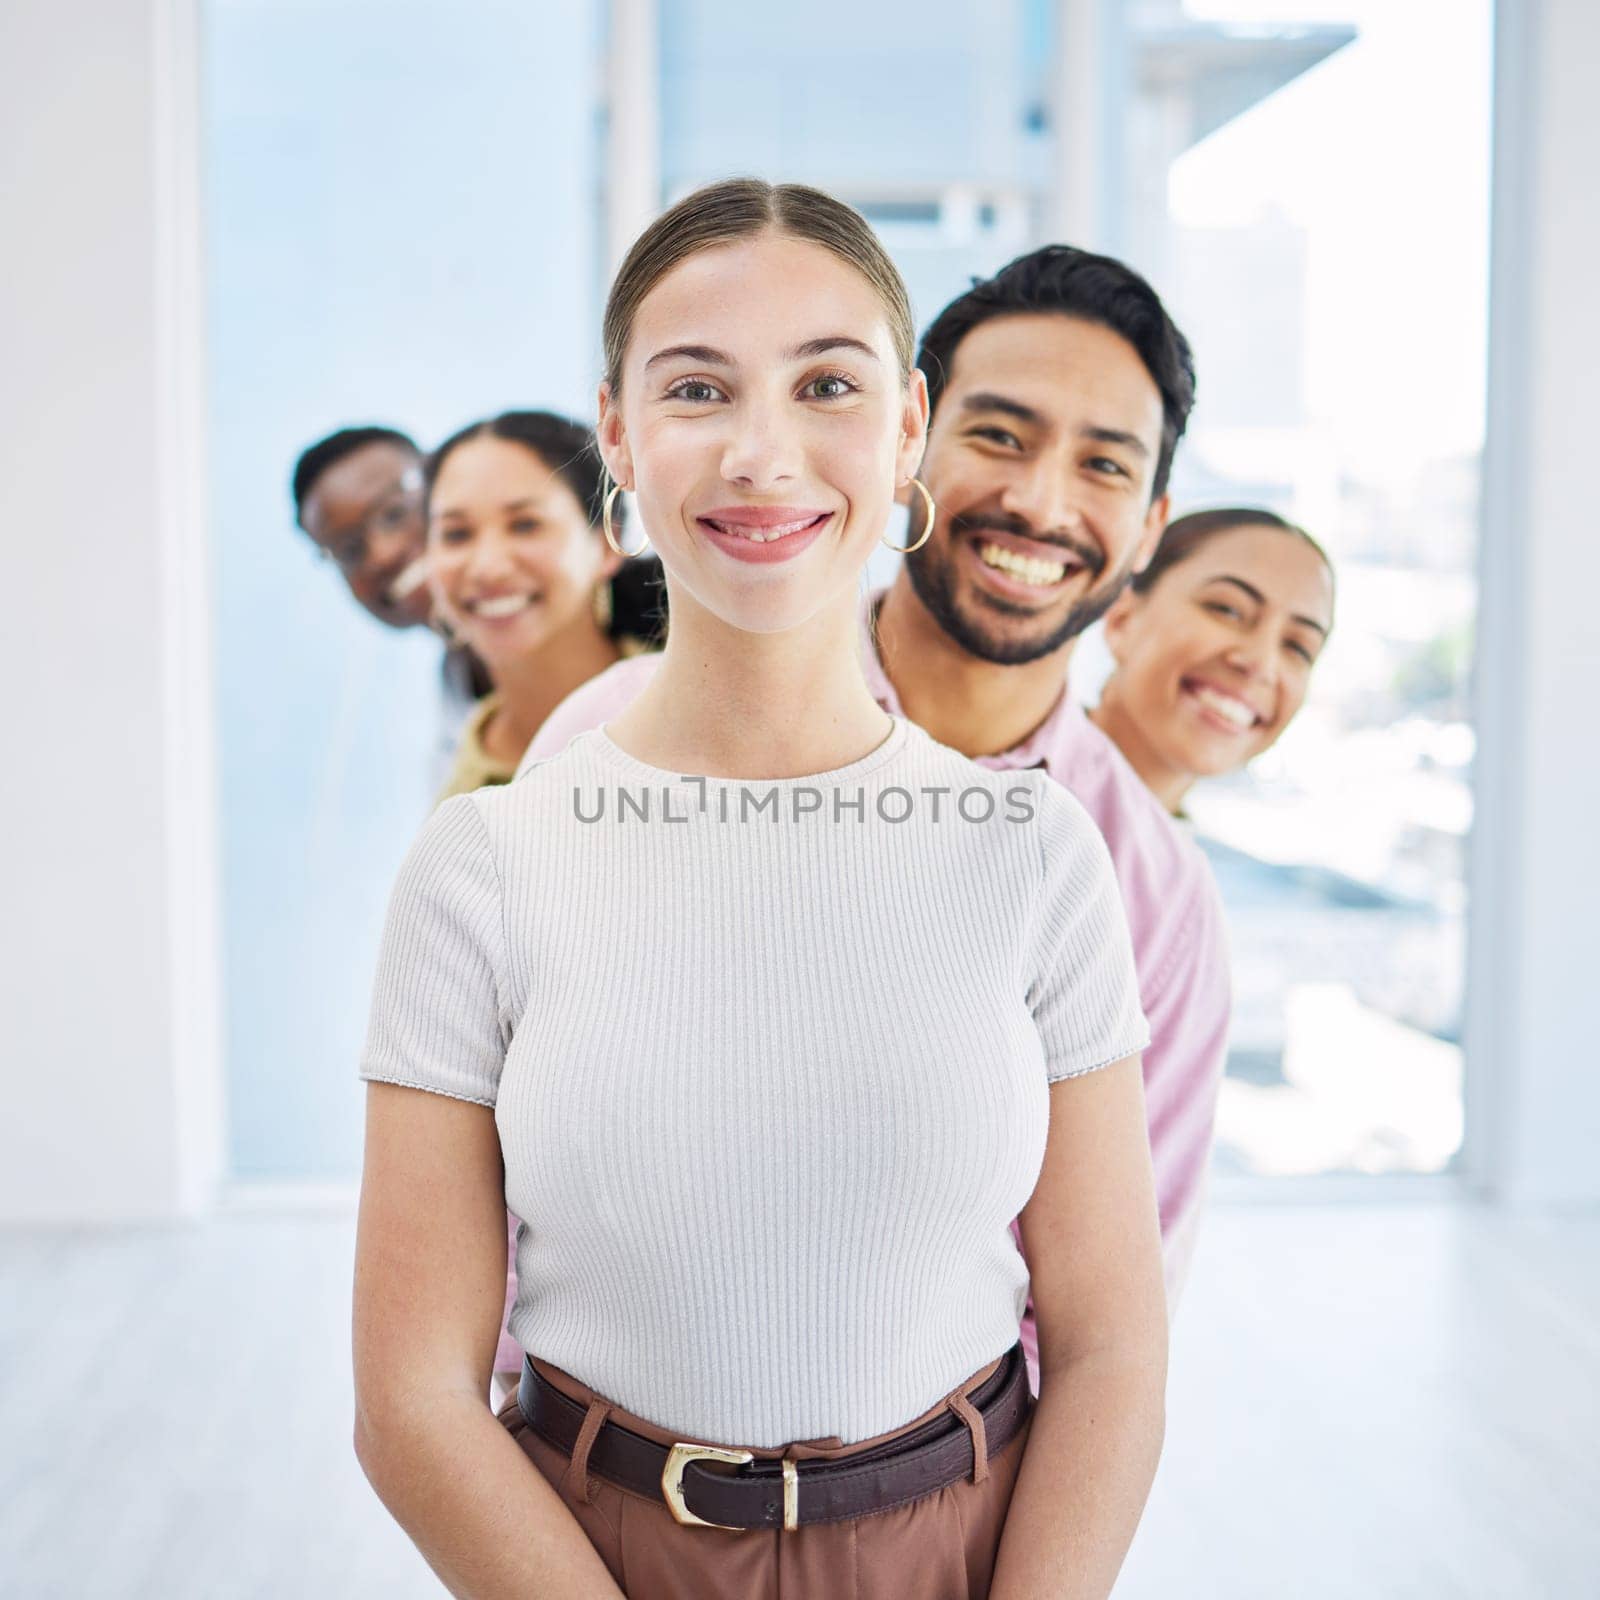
{"x": 941, "y": 1547}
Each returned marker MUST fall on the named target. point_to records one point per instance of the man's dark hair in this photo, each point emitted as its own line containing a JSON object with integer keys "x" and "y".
{"x": 315, "y": 459}
{"x": 1092, "y": 288}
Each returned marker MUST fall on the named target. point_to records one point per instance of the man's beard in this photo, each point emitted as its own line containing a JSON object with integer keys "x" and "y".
{"x": 933, "y": 581}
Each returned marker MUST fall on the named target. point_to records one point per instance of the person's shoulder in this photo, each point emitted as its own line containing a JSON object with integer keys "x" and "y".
{"x": 453, "y": 844}
{"x": 1117, "y": 797}
{"x": 942, "y": 763}
{"x": 574, "y": 761}
{"x": 590, "y": 705}
{"x": 1033, "y": 822}
{"x": 1149, "y": 850}
{"x": 530, "y": 813}
{"x": 1061, "y": 814}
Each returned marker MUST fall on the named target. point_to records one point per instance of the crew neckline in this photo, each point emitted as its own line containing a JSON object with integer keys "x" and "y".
{"x": 641, "y": 771}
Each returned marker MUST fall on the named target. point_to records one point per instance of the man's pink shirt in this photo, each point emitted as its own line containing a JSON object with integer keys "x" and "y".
{"x": 1174, "y": 915}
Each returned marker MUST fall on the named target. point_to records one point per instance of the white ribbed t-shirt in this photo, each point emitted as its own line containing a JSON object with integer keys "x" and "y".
{"x": 769, "y": 1061}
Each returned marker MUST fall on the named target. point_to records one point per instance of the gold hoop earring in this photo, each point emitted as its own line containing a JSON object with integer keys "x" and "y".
{"x": 927, "y": 527}
{"x": 605, "y": 525}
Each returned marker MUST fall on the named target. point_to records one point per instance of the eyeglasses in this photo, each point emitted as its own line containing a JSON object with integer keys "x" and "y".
{"x": 397, "y": 507}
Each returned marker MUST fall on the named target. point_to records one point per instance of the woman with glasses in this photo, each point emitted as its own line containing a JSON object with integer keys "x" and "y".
{"x": 358, "y": 496}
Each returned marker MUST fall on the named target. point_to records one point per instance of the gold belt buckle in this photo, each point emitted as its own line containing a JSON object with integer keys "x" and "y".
{"x": 679, "y": 1457}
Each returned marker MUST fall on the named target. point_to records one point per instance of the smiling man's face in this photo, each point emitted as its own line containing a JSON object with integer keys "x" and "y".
{"x": 1042, "y": 457}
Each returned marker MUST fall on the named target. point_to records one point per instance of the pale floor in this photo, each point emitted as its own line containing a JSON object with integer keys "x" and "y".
{"x": 1395, "y": 1401}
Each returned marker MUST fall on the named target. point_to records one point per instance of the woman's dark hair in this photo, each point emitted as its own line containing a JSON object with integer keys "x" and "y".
{"x": 1185, "y": 535}
{"x": 639, "y": 601}
{"x": 567, "y": 448}
{"x": 316, "y": 458}
{"x": 1075, "y": 283}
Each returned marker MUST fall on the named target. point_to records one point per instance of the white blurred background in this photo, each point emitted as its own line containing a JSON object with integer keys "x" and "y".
{"x": 233, "y": 225}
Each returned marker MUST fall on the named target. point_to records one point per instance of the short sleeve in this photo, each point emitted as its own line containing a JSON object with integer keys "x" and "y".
{"x": 1084, "y": 992}
{"x": 437, "y": 1021}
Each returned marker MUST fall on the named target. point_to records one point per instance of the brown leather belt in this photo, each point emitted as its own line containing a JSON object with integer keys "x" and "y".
{"x": 785, "y": 1494}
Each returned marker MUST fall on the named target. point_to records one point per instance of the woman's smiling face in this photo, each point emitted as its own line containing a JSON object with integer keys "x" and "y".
{"x": 764, "y": 425}
{"x": 512, "y": 558}
{"x": 1214, "y": 661}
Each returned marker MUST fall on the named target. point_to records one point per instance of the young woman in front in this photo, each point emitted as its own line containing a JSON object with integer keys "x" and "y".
{"x": 765, "y": 1014}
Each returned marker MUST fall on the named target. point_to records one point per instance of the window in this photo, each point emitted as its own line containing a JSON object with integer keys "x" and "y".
{"x": 1328, "y": 257}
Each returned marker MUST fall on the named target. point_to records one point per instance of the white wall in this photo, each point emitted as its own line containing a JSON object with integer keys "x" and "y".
{"x": 400, "y": 227}
{"x": 107, "y": 980}
{"x": 1534, "y": 982}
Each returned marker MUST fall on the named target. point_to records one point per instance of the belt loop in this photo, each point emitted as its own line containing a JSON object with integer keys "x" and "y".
{"x": 973, "y": 1418}
{"x": 578, "y": 1466}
